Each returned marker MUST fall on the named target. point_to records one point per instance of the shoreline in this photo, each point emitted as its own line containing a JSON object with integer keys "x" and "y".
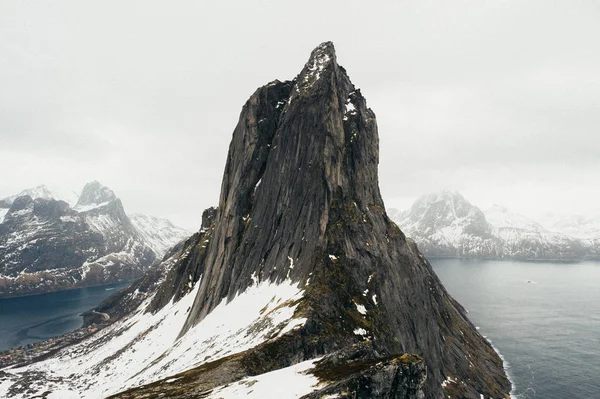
{"x": 530, "y": 260}
{"x": 506, "y": 367}
{"x": 128, "y": 282}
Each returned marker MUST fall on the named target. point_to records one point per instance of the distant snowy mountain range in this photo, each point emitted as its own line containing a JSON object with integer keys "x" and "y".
{"x": 446, "y": 224}
{"x": 47, "y": 245}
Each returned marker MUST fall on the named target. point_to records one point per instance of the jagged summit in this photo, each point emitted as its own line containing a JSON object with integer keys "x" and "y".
{"x": 300, "y": 202}
{"x": 323, "y": 141}
{"x": 321, "y": 61}
{"x": 93, "y": 195}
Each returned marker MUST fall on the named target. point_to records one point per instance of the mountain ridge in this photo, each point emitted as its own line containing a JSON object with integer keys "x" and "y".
{"x": 45, "y": 245}
{"x": 495, "y": 233}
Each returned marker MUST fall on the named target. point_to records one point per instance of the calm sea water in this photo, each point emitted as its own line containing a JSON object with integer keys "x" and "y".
{"x": 36, "y": 318}
{"x": 544, "y": 318}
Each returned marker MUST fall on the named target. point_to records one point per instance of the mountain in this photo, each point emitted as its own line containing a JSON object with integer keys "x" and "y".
{"x": 579, "y": 226}
{"x": 47, "y": 246}
{"x": 502, "y": 217}
{"x": 445, "y": 224}
{"x": 36, "y": 192}
{"x": 297, "y": 285}
{"x": 94, "y": 195}
{"x": 159, "y": 234}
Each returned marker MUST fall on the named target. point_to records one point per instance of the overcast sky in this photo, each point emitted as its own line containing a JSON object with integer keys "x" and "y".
{"x": 497, "y": 99}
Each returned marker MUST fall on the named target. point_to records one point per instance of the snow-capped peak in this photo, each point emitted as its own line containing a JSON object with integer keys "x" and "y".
{"x": 35, "y": 192}
{"x": 94, "y": 195}
{"x": 158, "y": 234}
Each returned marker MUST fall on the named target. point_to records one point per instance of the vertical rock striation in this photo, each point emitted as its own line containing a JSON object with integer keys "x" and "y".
{"x": 300, "y": 200}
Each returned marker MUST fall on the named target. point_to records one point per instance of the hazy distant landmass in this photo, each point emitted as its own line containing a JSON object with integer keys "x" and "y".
{"x": 445, "y": 224}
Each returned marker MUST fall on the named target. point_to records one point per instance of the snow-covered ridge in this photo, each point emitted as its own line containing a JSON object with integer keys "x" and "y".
{"x": 3, "y": 212}
{"x": 159, "y": 234}
{"x": 290, "y": 382}
{"x": 579, "y": 226}
{"x": 446, "y": 224}
{"x": 145, "y": 347}
{"x": 58, "y": 247}
{"x": 501, "y": 217}
{"x": 35, "y": 192}
{"x": 89, "y": 207}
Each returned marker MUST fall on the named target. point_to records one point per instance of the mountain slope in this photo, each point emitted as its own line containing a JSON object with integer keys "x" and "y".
{"x": 298, "y": 272}
{"x": 47, "y": 246}
{"x": 159, "y": 234}
{"x": 579, "y": 226}
{"x": 4, "y": 207}
{"x": 445, "y": 224}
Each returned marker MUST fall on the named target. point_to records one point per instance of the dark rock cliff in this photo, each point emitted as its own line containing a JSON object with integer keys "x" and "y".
{"x": 300, "y": 200}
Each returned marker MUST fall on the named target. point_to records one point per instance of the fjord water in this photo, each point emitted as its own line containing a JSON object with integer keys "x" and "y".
{"x": 544, "y": 318}
{"x": 29, "y": 319}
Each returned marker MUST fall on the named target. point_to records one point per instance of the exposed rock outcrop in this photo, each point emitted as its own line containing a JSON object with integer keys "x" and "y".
{"x": 300, "y": 200}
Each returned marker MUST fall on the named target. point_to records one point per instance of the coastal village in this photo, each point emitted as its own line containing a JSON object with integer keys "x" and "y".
{"x": 35, "y": 351}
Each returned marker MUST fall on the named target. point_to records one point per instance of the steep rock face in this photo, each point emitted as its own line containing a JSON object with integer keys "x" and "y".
{"x": 293, "y": 147}
{"x": 445, "y": 224}
{"x": 300, "y": 200}
{"x": 298, "y": 275}
{"x": 47, "y": 246}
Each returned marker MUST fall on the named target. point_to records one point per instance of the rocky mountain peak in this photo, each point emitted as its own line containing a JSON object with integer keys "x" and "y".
{"x": 286, "y": 164}
{"x": 94, "y": 194}
{"x": 300, "y": 203}
{"x": 21, "y": 203}
{"x": 322, "y": 62}
{"x": 36, "y": 192}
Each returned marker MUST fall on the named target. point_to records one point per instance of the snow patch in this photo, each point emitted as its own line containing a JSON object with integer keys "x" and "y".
{"x": 3, "y": 212}
{"x": 360, "y": 331}
{"x": 361, "y": 309}
{"x": 145, "y": 347}
{"x": 290, "y": 382}
{"x": 448, "y": 380}
{"x": 89, "y": 207}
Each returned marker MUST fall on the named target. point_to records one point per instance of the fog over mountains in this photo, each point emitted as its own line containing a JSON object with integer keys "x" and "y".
{"x": 445, "y": 224}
